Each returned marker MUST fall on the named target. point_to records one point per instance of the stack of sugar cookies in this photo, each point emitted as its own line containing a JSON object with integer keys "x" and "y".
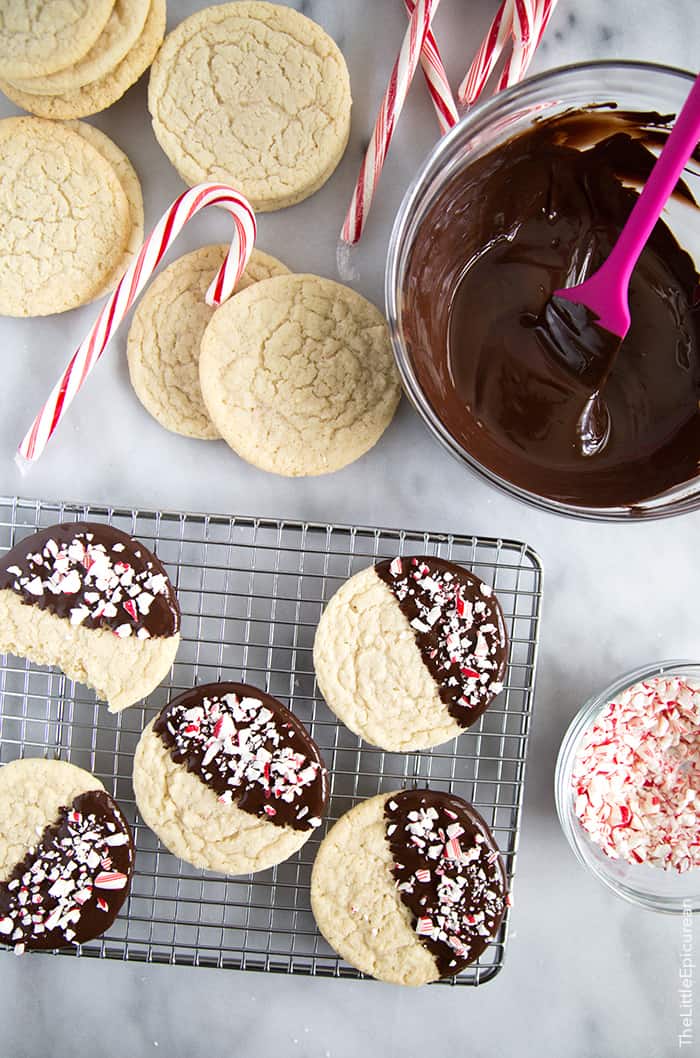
{"x": 295, "y": 372}
{"x": 71, "y": 215}
{"x": 74, "y": 58}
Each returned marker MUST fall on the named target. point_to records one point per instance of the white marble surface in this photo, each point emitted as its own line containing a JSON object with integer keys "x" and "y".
{"x": 586, "y": 975}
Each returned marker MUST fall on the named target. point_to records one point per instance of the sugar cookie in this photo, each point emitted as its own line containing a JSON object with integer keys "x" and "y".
{"x": 131, "y": 185}
{"x": 166, "y": 334}
{"x": 90, "y": 599}
{"x": 124, "y": 27}
{"x": 253, "y": 94}
{"x": 38, "y": 38}
{"x": 409, "y": 886}
{"x": 298, "y": 375}
{"x": 409, "y": 653}
{"x": 102, "y": 93}
{"x": 229, "y": 779}
{"x": 64, "y": 218}
{"x": 66, "y": 855}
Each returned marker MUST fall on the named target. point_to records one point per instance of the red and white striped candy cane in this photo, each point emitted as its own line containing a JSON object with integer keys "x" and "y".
{"x": 436, "y": 79}
{"x": 392, "y": 104}
{"x": 487, "y": 55}
{"x": 130, "y": 286}
{"x": 525, "y": 22}
{"x": 529, "y": 21}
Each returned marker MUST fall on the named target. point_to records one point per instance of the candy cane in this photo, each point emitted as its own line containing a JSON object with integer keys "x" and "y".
{"x": 487, "y": 55}
{"x": 529, "y": 21}
{"x": 523, "y": 20}
{"x": 130, "y": 286}
{"x": 436, "y": 79}
{"x": 392, "y": 104}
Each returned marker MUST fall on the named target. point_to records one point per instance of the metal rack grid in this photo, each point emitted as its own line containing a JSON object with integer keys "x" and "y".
{"x": 251, "y": 592}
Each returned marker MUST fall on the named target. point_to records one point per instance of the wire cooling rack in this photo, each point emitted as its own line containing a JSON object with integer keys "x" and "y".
{"x": 251, "y": 593}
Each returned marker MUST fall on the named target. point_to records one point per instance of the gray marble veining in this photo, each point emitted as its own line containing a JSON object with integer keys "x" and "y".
{"x": 586, "y": 975}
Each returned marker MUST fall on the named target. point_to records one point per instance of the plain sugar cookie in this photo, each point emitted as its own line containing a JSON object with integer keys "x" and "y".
{"x": 298, "y": 375}
{"x": 410, "y": 652}
{"x": 64, "y": 218}
{"x": 409, "y": 886}
{"x": 131, "y": 186}
{"x": 66, "y": 855}
{"x": 102, "y": 93}
{"x": 166, "y": 334}
{"x": 253, "y": 94}
{"x": 90, "y": 599}
{"x": 124, "y": 27}
{"x": 39, "y": 37}
{"x": 229, "y": 779}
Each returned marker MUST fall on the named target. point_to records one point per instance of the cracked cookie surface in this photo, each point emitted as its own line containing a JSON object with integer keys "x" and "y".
{"x": 166, "y": 333}
{"x": 64, "y": 218}
{"x": 124, "y": 27}
{"x": 102, "y": 93}
{"x": 253, "y": 94}
{"x": 356, "y": 904}
{"x": 131, "y": 185}
{"x": 298, "y": 375}
{"x": 42, "y": 36}
{"x": 229, "y": 779}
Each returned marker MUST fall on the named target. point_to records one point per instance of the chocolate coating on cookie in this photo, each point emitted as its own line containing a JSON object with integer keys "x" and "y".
{"x": 459, "y": 629}
{"x": 94, "y": 576}
{"x": 70, "y": 887}
{"x": 250, "y": 750}
{"x": 448, "y": 872}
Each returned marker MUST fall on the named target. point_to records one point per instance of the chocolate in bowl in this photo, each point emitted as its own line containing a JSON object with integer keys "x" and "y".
{"x": 527, "y": 194}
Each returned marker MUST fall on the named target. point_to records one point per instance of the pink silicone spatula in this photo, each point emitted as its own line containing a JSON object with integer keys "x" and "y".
{"x": 606, "y": 292}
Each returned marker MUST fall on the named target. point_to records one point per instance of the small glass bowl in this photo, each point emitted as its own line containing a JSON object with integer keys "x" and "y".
{"x": 627, "y": 86}
{"x": 646, "y": 886}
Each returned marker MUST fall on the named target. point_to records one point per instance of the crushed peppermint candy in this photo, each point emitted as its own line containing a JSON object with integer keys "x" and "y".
{"x": 636, "y": 775}
{"x": 459, "y": 629}
{"x": 51, "y": 899}
{"x": 93, "y": 576}
{"x": 249, "y": 749}
{"x": 454, "y": 886}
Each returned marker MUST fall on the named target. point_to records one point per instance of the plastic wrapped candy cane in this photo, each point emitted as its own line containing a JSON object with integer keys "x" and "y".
{"x": 128, "y": 289}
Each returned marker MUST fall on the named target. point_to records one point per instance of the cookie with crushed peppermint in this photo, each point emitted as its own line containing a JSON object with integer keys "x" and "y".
{"x": 409, "y": 886}
{"x": 229, "y": 779}
{"x": 95, "y": 602}
{"x": 410, "y": 652}
{"x": 66, "y": 856}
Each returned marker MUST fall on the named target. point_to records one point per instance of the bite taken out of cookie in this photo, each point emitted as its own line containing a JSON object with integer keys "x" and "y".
{"x": 229, "y": 779}
{"x": 93, "y": 601}
{"x": 409, "y": 886}
{"x": 66, "y": 855}
{"x": 410, "y": 652}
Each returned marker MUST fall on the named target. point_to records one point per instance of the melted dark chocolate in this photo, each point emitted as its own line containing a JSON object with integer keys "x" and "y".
{"x": 70, "y": 887}
{"x": 94, "y": 576}
{"x": 542, "y": 212}
{"x": 459, "y": 629}
{"x": 448, "y": 873}
{"x": 250, "y": 750}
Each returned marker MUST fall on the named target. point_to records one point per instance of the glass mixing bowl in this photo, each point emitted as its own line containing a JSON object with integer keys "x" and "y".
{"x": 649, "y": 887}
{"x": 629, "y": 86}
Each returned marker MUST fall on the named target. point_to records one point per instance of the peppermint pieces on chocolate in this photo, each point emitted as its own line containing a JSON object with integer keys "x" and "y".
{"x": 93, "y": 576}
{"x": 636, "y": 776}
{"x": 249, "y": 749}
{"x": 448, "y": 873}
{"x": 70, "y": 887}
{"x": 459, "y": 630}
